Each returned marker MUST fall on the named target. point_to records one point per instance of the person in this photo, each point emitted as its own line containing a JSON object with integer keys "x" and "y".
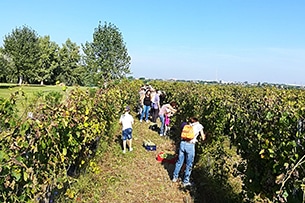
{"x": 141, "y": 97}
{"x": 155, "y": 107}
{"x": 126, "y": 120}
{"x": 162, "y": 97}
{"x": 166, "y": 123}
{"x": 146, "y": 102}
{"x": 166, "y": 109}
{"x": 187, "y": 150}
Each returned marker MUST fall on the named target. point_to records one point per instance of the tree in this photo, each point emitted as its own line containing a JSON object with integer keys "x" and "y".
{"x": 4, "y": 66}
{"x": 69, "y": 59}
{"x": 21, "y": 46}
{"x": 48, "y": 60}
{"x": 106, "y": 57}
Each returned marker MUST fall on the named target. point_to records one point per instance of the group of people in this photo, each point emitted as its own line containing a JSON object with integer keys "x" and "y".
{"x": 152, "y": 106}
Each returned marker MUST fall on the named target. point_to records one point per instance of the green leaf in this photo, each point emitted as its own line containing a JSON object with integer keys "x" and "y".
{"x": 286, "y": 165}
{"x": 271, "y": 151}
{"x": 25, "y": 176}
{"x": 17, "y": 174}
{"x": 285, "y": 194}
{"x": 43, "y": 145}
{"x": 3, "y": 156}
{"x": 64, "y": 151}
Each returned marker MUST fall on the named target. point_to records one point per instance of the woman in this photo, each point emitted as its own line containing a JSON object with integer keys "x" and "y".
{"x": 146, "y": 102}
{"x": 166, "y": 109}
{"x": 155, "y": 107}
{"x": 187, "y": 152}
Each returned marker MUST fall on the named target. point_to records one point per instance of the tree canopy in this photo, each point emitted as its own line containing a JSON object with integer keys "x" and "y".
{"x": 27, "y": 57}
{"x": 21, "y": 47}
{"x": 106, "y": 57}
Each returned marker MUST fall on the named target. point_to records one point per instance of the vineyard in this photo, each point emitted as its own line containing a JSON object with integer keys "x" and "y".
{"x": 254, "y": 150}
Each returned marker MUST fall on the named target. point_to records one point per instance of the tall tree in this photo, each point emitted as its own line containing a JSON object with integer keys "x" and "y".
{"x": 69, "y": 61}
{"x": 21, "y": 46}
{"x": 48, "y": 60}
{"x": 4, "y": 63}
{"x": 106, "y": 57}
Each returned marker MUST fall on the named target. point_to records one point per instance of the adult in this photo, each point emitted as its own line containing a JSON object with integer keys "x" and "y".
{"x": 166, "y": 109}
{"x": 155, "y": 107}
{"x": 187, "y": 150}
{"x": 162, "y": 97}
{"x": 127, "y": 120}
{"x": 146, "y": 103}
{"x": 141, "y": 97}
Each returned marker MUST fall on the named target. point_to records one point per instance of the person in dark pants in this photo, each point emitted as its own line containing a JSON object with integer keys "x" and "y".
{"x": 146, "y": 106}
{"x": 155, "y": 107}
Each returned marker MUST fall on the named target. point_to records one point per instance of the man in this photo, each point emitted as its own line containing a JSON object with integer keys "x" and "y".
{"x": 127, "y": 120}
{"x": 187, "y": 150}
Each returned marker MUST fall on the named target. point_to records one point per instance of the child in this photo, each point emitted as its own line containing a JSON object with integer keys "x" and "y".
{"x": 166, "y": 123}
{"x": 126, "y": 120}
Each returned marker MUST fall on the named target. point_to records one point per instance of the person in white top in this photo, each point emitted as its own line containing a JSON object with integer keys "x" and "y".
{"x": 127, "y": 120}
{"x": 187, "y": 151}
{"x": 166, "y": 109}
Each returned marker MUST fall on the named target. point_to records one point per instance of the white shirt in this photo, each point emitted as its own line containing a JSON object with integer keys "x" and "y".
{"x": 197, "y": 127}
{"x": 126, "y": 120}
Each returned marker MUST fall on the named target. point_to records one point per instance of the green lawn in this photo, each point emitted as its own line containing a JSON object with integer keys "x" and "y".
{"x": 30, "y": 91}
{"x": 7, "y": 89}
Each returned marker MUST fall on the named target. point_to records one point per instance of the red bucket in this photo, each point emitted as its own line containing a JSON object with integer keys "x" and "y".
{"x": 164, "y": 157}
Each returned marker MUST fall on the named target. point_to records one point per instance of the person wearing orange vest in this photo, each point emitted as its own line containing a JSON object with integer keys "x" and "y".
{"x": 187, "y": 151}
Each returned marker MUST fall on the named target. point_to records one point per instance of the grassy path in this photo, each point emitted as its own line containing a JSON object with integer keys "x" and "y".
{"x": 137, "y": 176}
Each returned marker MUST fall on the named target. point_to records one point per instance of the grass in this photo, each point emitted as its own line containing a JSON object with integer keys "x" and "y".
{"x": 138, "y": 177}
{"x": 31, "y": 92}
{"x": 132, "y": 177}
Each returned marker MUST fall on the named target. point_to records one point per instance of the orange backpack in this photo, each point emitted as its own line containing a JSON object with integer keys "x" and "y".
{"x": 187, "y": 132}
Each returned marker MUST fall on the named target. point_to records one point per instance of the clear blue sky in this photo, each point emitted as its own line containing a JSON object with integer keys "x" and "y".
{"x": 228, "y": 40}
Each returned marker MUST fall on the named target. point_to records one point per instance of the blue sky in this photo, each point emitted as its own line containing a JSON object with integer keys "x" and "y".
{"x": 228, "y": 40}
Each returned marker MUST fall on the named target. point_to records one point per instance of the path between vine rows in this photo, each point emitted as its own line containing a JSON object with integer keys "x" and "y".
{"x": 137, "y": 176}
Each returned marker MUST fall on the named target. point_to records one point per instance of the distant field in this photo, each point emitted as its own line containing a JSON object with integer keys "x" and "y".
{"x": 7, "y": 89}
{"x": 30, "y": 91}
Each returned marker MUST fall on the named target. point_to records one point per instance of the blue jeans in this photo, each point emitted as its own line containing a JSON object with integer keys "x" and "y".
{"x": 187, "y": 150}
{"x": 127, "y": 134}
{"x": 145, "y": 112}
{"x": 162, "y": 119}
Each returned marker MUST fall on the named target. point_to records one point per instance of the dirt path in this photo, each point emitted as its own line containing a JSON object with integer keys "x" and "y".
{"x": 137, "y": 176}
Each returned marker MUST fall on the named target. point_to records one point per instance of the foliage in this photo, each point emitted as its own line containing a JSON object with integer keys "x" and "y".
{"x": 254, "y": 150}
{"x": 28, "y": 58}
{"x": 48, "y": 60}
{"x": 265, "y": 126}
{"x": 5, "y": 67}
{"x": 39, "y": 153}
{"x": 21, "y": 47}
{"x": 69, "y": 58}
{"x": 106, "y": 58}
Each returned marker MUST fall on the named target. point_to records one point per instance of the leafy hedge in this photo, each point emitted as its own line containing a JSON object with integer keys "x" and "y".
{"x": 38, "y": 152}
{"x": 255, "y": 135}
{"x": 254, "y": 151}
